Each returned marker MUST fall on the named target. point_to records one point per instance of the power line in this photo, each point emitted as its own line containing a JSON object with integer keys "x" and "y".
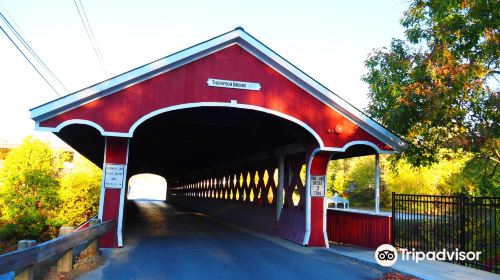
{"x": 31, "y": 63}
{"x": 90, "y": 35}
{"x": 51, "y": 80}
{"x": 28, "y": 47}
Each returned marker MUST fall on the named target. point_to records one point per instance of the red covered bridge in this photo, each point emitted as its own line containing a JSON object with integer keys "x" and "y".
{"x": 216, "y": 120}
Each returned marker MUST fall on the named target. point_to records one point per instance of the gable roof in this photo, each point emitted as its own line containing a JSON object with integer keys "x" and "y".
{"x": 246, "y": 41}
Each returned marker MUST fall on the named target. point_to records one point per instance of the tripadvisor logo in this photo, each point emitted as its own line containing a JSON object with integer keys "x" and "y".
{"x": 387, "y": 255}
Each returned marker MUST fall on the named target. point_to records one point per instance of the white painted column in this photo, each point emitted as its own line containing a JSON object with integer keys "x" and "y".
{"x": 377, "y": 183}
{"x": 281, "y": 185}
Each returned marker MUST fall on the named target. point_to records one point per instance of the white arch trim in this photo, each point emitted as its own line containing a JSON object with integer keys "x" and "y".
{"x": 180, "y": 107}
{"x": 357, "y": 142}
{"x": 307, "y": 234}
{"x": 212, "y": 104}
{"x": 80, "y": 121}
{"x": 228, "y": 105}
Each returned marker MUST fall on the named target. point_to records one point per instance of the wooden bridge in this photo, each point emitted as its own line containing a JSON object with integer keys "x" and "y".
{"x": 217, "y": 120}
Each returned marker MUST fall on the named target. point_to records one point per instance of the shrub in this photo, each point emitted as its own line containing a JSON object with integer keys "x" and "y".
{"x": 28, "y": 190}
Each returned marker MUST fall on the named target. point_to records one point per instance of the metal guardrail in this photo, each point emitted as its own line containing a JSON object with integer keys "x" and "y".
{"x": 20, "y": 259}
{"x": 431, "y": 223}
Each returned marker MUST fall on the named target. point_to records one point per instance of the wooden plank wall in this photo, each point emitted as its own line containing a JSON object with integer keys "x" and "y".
{"x": 358, "y": 229}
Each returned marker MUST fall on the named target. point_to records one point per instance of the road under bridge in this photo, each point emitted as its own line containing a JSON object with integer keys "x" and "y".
{"x": 168, "y": 242}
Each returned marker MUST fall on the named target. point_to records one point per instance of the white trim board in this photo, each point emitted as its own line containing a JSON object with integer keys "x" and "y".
{"x": 144, "y": 118}
{"x": 246, "y": 41}
{"x": 134, "y": 126}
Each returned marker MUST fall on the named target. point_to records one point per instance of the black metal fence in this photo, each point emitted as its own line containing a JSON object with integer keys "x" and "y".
{"x": 431, "y": 223}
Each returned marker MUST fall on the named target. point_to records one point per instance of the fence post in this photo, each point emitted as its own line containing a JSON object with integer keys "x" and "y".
{"x": 27, "y": 273}
{"x": 393, "y": 220}
{"x": 65, "y": 262}
{"x": 462, "y": 222}
{"x": 91, "y": 249}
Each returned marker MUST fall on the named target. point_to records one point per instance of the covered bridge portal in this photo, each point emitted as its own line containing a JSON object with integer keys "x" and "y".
{"x": 216, "y": 120}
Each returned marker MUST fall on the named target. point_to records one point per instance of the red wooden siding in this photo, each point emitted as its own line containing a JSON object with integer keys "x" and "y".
{"x": 358, "y": 229}
{"x": 188, "y": 84}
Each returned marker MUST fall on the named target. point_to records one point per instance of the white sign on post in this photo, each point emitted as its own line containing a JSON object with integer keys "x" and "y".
{"x": 318, "y": 186}
{"x": 114, "y": 176}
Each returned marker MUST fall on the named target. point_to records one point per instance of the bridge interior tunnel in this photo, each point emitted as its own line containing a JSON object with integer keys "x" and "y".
{"x": 214, "y": 158}
{"x": 189, "y": 142}
{"x": 179, "y": 143}
{"x": 191, "y": 146}
{"x": 221, "y": 161}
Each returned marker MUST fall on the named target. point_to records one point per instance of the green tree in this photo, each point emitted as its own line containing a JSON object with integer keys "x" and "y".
{"x": 79, "y": 192}
{"x": 337, "y": 177}
{"x": 28, "y": 190}
{"x": 439, "y": 87}
{"x": 474, "y": 179}
{"x": 354, "y": 176}
{"x": 362, "y": 181}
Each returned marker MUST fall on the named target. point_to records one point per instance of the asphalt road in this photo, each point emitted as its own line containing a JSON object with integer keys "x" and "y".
{"x": 166, "y": 242}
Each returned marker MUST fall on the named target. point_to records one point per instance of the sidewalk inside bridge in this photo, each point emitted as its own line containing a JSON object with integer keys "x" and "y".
{"x": 424, "y": 269}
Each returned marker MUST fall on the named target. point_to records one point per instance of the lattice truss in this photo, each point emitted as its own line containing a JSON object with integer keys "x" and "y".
{"x": 253, "y": 185}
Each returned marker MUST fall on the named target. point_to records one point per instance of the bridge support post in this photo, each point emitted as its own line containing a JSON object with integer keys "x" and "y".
{"x": 315, "y": 206}
{"x": 29, "y": 272}
{"x": 280, "y": 187}
{"x": 65, "y": 262}
{"x": 92, "y": 248}
{"x": 113, "y": 189}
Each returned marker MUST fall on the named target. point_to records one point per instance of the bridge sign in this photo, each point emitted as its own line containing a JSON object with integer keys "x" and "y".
{"x": 114, "y": 176}
{"x": 318, "y": 186}
{"x": 233, "y": 84}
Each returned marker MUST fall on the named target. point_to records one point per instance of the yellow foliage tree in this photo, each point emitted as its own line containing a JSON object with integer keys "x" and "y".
{"x": 79, "y": 192}
{"x": 28, "y": 191}
{"x": 434, "y": 179}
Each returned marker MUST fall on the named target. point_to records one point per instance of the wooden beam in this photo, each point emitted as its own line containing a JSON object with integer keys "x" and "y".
{"x": 23, "y": 258}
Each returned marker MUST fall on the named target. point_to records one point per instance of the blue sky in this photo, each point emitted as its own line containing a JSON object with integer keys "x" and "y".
{"x": 329, "y": 40}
